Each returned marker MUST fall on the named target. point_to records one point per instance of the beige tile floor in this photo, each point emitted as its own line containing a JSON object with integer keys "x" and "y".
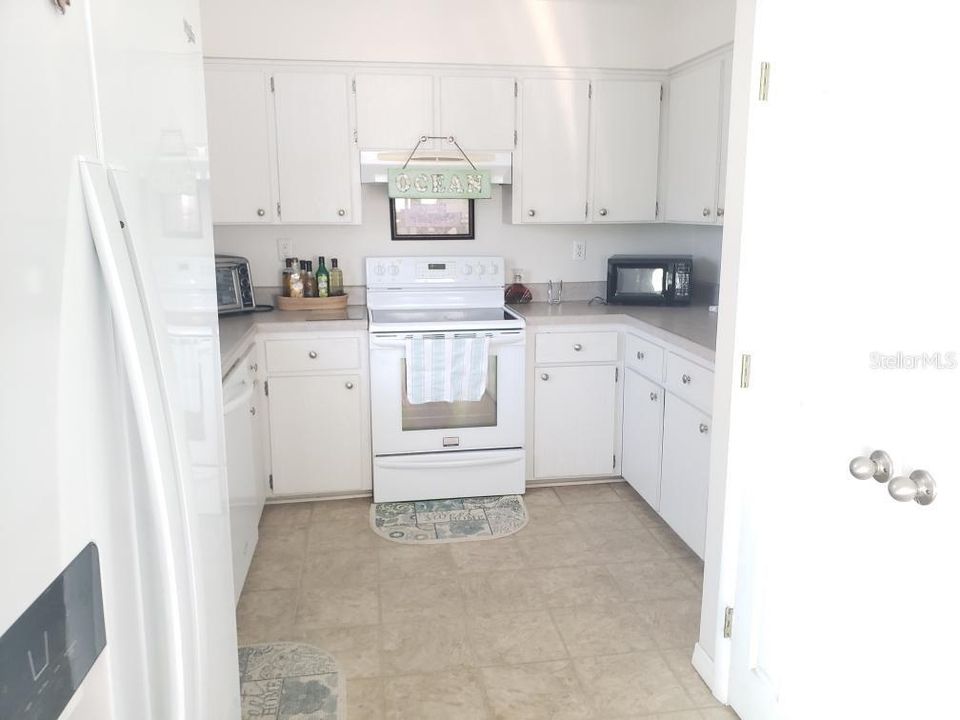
{"x": 589, "y": 612}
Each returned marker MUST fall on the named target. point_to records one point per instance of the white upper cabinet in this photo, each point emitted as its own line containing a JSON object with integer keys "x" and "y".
{"x": 554, "y": 136}
{"x": 393, "y": 111}
{"x": 692, "y": 171}
{"x": 242, "y": 169}
{"x": 314, "y": 147}
{"x": 724, "y": 135}
{"x": 479, "y": 112}
{"x": 626, "y": 146}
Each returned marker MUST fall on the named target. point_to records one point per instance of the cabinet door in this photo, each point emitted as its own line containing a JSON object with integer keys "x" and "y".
{"x": 726, "y": 82}
{"x": 314, "y": 139}
{"x": 480, "y": 112}
{"x": 642, "y": 435}
{"x": 685, "y": 471}
{"x": 574, "y": 421}
{"x": 316, "y": 435}
{"x": 554, "y": 142}
{"x": 626, "y": 143}
{"x": 242, "y": 169}
{"x": 693, "y": 145}
{"x": 393, "y": 111}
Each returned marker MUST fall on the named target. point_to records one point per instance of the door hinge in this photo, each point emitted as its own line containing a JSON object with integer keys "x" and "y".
{"x": 586, "y": 209}
{"x": 616, "y": 374}
{"x": 516, "y": 89}
{"x": 656, "y": 209}
{"x": 266, "y": 388}
{"x": 744, "y": 371}
{"x": 278, "y": 210}
{"x": 589, "y": 90}
{"x": 271, "y": 481}
{"x": 661, "y": 93}
{"x": 764, "y": 80}
{"x": 273, "y": 87}
{"x": 355, "y": 139}
{"x": 728, "y": 622}
{"x": 614, "y": 461}
{"x": 353, "y": 86}
{"x": 514, "y": 138}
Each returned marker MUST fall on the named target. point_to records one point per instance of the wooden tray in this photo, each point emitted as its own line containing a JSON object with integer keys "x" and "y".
{"x": 338, "y": 302}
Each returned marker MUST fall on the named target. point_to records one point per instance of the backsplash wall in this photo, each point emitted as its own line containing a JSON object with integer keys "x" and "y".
{"x": 544, "y": 252}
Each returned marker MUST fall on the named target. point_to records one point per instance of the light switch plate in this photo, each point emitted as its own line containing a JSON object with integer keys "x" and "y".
{"x": 579, "y": 249}
{"x": 284, "y": 248}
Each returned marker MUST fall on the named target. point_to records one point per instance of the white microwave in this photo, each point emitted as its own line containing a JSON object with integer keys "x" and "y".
{"x": 234, "y": 285}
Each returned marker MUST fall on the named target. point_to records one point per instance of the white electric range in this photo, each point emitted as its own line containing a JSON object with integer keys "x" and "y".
{"x": 435, "y": 450}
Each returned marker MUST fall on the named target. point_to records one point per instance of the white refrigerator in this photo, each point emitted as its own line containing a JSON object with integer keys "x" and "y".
{"x": 117, "y": 589}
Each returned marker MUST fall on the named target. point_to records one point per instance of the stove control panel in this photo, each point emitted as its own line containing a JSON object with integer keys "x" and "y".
{"x": 391, "y": 272}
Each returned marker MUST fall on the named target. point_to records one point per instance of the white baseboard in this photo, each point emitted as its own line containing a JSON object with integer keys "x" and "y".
{"x": 703, "y": 664}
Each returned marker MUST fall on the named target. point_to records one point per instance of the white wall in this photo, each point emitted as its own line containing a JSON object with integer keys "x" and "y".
{"x": 544, "y": 251}
{"x": 637, "y": 34}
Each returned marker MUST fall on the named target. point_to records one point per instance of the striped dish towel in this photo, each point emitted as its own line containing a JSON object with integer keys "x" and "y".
{"x": 446, "y": 369}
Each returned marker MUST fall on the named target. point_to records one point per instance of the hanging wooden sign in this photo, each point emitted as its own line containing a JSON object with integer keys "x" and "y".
{"x": 438, "y": 182}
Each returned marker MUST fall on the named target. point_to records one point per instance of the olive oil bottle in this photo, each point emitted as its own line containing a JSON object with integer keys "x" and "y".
{"x": 336, "y": 278}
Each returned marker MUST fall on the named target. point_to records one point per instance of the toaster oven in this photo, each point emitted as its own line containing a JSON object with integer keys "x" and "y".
{"x": 234, "y": 285}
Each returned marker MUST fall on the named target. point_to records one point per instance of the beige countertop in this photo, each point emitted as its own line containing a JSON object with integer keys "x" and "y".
{"x": 692, "y": 328}
{"x": 237, "y": 331}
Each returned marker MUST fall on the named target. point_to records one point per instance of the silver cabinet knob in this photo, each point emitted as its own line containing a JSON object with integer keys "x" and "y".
{"x": 312, "y": 354}
{"x": 348, "y": 385}
{"x": 704, "y": 428}
{"x": 641, "y": 356}
{"x": 531, "y": 212}
{"x": 654, "y": 396}
{"x": 706, "y": 212}
{"x": 254, "y": 367}
{"x": 544, "y": 376}
{"x": 603, "y": 212}
{"x": 577, "y": 347}
{"x": 919, "y": 487}
{"x": 719, "y": 212}
{"x": 261, "y": 212}
{"x": 253, "y": 410}
{"x": 686, "y": 379}
{"x": 341, "y": 212}
{"x": 878, "y": 466}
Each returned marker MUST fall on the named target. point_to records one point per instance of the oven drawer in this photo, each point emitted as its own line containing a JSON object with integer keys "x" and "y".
{"x": 644, "y": 357}
{"x": 576, "y": 347}
{"x": 690, "y": 382}
{"x": 321, "y": 353}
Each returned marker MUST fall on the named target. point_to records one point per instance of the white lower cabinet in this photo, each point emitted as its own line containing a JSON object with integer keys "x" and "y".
{"x": 685, "y": 471}
{"x": 575, "y": 420}
{"x": 642, "y": 435}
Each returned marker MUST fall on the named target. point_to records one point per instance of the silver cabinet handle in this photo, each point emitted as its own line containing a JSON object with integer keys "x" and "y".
{"x": 641, "y": 356}
{"x": 654, "y": 396}
{"x": 919, "y": 487}
{"x": 312, "y": 354}
{"x": 577, "y": 347}
{"x": 531, "y": 212}
{"x": 348, "y": 385}
{"x": 878, "y": 466}
{"x": 603, "y": 212}
{"x": 544, "y": 376}
{"x": 686, "y": 379}
{"x": 719, "y": 212}
{"x": 261, "y": 212}
{"x": 706, "y": 212}
{"x": 704, "y": 428}
{"x": 341, "y": 212}
{"x": 253, "y": 410}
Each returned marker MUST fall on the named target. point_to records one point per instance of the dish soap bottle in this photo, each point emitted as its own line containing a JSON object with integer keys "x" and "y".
{"x": 336, "y": 278}
{"x": 517, "y": 293}
{"x": 323, "y": 279}
{"x": 309, "y": 281}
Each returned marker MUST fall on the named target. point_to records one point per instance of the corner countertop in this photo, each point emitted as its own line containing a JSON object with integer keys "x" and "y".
{"x": 692, "y": 328}
{"x": 237, "y": 331}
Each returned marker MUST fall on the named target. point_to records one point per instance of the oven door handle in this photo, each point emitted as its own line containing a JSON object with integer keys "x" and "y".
{"x": 496, "y": 341}
{"x": 417, "y": 465}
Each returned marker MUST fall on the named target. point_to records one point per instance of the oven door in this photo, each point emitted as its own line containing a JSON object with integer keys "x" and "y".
{"x": 228, "y": 288}
{"x": 495, "y": 421}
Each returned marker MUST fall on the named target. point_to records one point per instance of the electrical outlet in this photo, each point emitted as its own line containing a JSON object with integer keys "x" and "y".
{"x": 579, "y": 249}
{"x": 284, "y": 248}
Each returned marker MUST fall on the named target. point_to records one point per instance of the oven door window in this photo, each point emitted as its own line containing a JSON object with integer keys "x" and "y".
{"x": 228, "y": 290}
{"x": 444, "y": 415}
{"x": 640, "y": 281}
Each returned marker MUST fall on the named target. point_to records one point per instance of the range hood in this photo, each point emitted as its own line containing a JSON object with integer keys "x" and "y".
{"x": 374, "y": 163}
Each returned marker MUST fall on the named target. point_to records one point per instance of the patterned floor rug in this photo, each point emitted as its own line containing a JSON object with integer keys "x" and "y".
{"x": 456, "y": 520}
{"x": 289, "y": 681}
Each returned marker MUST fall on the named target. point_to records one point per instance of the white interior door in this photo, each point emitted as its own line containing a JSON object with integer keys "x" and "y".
{"x": 847, "y": 601}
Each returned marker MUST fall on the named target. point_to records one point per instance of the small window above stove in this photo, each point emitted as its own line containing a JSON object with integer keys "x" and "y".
{"x": 431, "y": 219}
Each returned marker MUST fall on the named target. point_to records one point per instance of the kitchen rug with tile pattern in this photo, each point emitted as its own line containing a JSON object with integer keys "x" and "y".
{"x": 289, "y": 681}
{"x": 453, "y": 520}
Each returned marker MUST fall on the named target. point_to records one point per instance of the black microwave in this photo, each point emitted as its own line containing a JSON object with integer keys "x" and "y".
{"x": 649, "y": 279}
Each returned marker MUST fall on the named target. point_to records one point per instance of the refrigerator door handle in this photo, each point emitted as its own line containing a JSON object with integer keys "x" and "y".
{"x": 167, "y": 490}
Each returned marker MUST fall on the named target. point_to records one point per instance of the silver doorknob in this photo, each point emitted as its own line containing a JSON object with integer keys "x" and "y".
{"x": 603, "y": 211}
{"x": 706, "y": 212}
{"x": 686, "y": 379}
{"x": 253, "y": 411}
{"x": 577, "y": 347}
{"x": 719, "y": 212}
{"x": 879, "y": 466}
{"x": 531, "y": 212}
{"x": 544, "y": 376}
{"x": 261, "y": 212}
{"x": 704, "y": 428}
{"x": 312, "y": 354}
{"x": 654, "y": 396}
{"x": 348, "y": 385}
{"x": 341, "y": 212}
{"x": 641, "y": 356}
{"x": 919, "y": 487}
